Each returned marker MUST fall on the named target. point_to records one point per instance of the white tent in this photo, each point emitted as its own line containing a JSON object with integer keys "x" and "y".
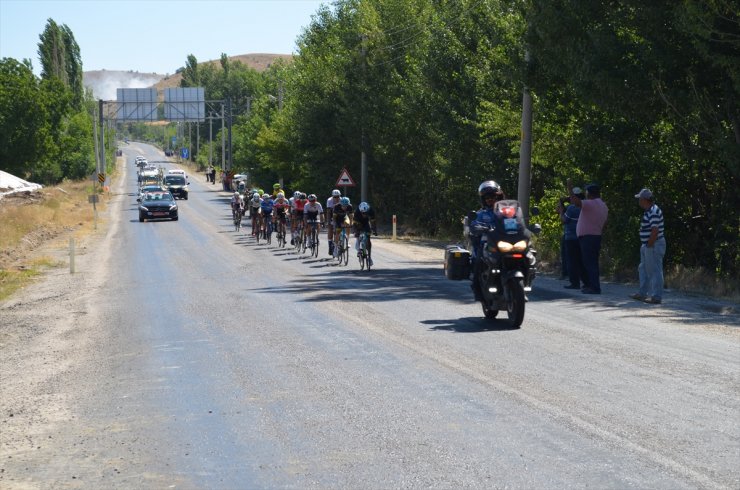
{"x": 10, "y": 184}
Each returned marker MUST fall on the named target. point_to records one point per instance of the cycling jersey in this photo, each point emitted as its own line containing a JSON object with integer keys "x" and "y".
{"x": 267, "y": 205}
{"x": 312, "y": 209}
{"x": 339, "y": 213}
{"x": 281, "y": 206}
{"x": 330, "y": 203}
{"x": 363, "y": 221}
{"x": 300, "y": 204}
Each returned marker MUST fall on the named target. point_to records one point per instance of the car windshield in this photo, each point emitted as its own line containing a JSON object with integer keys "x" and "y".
{"x": 174, "y": 179}
{"x": 159, "y": 196}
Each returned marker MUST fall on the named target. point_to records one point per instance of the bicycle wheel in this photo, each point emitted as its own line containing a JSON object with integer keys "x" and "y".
{"x": 345, "y": 249}
{"x": 315, "y": 242}
{"x": 259, "y": 231}
{"x": 268, "y": 231}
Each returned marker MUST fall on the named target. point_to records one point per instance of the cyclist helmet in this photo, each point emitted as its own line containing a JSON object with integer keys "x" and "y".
{"x": 276, "y": 186}
{"x": 489, "y": 188}
{"x": 364, "y": 207}
{"x": 236, "y": 194}
{"x": 296, "y": 194}
{"x": 344, "y": 201}
{"x": 336, "y": 193}
{"x": 281, "y": 195}
{"x": 256, "y": 197}
{"x": 302, "y": 197}
{"x": 312, "y": 197}
{"x": 265, "y": 196}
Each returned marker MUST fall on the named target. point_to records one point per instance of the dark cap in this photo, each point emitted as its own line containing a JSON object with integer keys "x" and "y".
{"x": 593, "y": 189}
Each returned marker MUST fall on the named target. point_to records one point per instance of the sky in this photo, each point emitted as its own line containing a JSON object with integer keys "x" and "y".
{"x": 156, "y": 36}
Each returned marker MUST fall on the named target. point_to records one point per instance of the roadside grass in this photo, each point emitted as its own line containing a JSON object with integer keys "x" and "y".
{"x": 28, "y": 221}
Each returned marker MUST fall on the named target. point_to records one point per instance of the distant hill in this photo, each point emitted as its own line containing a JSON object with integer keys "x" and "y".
{"x": 105, "y": 82}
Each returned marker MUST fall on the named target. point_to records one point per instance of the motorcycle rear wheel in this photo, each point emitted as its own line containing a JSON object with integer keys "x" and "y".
{"x": 515, "y": 305}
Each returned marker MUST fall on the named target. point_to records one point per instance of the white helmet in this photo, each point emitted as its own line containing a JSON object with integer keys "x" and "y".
{"x": 236, "y": 194}
{"x": 265, "y": 196}
{"x": 256, "y": 197}
{"x": 364, "y": 207}
{"x": 281, "y": 195}
{"x": 336, "y": 193}
{"x": 296, "y": 194}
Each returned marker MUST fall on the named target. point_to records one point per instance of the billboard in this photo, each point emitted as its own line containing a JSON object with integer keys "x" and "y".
{"x": 185, "y": 104}
{"x": 136, "y": 104}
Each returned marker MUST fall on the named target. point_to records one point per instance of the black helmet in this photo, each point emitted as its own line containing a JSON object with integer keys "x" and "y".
{"x": 489, "y": 188}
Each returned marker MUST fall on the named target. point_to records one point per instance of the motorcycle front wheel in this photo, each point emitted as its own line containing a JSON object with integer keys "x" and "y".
{"x": 515, "y": 303}
{"x": 488, "y": 312}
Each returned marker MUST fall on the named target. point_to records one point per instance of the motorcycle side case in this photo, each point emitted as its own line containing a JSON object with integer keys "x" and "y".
{"x": 457, "y": 263}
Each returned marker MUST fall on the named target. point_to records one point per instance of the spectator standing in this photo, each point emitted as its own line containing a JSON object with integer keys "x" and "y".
{"x": 652, "y": 250}
{"x": 589, "y": 228}
{"x": 569, "y": 217}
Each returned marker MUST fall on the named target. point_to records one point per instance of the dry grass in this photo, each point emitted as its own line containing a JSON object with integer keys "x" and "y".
{"x": 29, "y": 221}
{"x": 700, "y": 281}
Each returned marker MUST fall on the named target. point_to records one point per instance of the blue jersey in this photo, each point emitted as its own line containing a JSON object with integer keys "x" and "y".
{"x": 267, "y": 205}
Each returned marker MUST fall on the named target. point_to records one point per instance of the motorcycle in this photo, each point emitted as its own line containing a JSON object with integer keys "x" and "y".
{"x": 506, "y": 263}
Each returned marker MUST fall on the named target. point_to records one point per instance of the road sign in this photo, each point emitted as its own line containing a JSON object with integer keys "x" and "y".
{"x": 345, "y": 180}
{"x": 183, "y": 153}
{"x": 101, "y": 178}
{"x": 174, "y": 140}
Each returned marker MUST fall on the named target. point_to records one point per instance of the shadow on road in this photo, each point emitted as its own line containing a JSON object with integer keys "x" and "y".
{"x": 471, "y": 324}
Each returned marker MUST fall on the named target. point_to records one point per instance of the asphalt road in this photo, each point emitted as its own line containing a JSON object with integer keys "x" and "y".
{"x": 212, "y": 362}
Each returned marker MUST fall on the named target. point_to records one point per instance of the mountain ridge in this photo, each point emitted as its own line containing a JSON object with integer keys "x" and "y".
{"x": 105, "y": 82}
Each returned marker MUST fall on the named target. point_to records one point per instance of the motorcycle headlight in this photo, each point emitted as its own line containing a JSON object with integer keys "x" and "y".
{"x": 505, "y": 246}
{"x": 520, "y": 246}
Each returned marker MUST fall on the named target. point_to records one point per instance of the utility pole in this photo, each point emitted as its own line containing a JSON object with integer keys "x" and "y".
{"x": 525, "y": 152}
{"x": 231, "y": 116}
{"x": 363, "y": 138}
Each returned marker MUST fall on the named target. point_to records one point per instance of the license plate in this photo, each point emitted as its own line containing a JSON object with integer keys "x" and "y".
{"x": 160, "y": 213}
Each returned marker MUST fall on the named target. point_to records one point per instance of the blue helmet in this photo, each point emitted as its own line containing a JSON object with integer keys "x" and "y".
{"x": 344, "y": 201}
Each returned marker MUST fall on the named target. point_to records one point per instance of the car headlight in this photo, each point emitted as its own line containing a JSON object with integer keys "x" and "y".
{"x": 173, "y": 207}
{"x": 142, "y": 208}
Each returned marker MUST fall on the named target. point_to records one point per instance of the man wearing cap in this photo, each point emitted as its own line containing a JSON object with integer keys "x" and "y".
{"x": 569, "y": 217}
{"x": 589, "y": 228}
{"x": 652, "y": 250}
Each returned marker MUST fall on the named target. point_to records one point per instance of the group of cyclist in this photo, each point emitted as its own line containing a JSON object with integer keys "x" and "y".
{"x": 270, "y": 212}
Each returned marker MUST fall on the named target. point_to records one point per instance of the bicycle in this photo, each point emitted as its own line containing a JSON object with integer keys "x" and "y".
{"x": 281, "y": 231}
{"x": 255, "y": 221}
{"x": 313, "y": 237}
{"x": 237, "y": 215}
{"x": 343, "y": 246}
{"x": 364, "y": 253}
{"x": 299, "y": 237}
{"x": 267, "y": 228}
{"x": 258, "y": 234}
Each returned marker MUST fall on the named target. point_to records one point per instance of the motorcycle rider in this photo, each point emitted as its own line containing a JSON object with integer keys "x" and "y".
{"x": 490, "y": 193}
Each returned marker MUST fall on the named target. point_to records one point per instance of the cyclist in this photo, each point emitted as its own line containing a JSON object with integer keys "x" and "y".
{"x": 330, "y": 203}
{"x": 342, "y": 217}
{"x": 255, "y": 205}
{"x": 293, "y": 221}
{"x": 276, "y": 190}
{"x": 364, "y": 222}
{"x": 313, "y": 210}
{"x": 298, "y": 204}
{"x": 267, "y": 205}
{"x": 281, "y": 207}
{"x": 237, "y": 204}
